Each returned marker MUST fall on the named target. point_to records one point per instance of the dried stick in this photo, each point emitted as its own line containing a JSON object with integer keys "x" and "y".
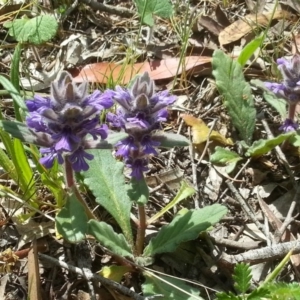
{"x": 245, "y": 206}
{"x": 115, "y": 10}
{"x": 88, "y": 275}
{"x": 263, "y": 254}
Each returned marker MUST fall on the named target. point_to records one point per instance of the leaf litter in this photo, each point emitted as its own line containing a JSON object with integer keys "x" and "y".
{"x": 97, "y": 46}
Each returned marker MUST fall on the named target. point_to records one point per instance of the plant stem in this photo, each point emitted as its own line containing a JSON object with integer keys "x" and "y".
{"x": 140, "y": 238}
{"x": 69, "y": 176}
{"x": 292, "y": 109}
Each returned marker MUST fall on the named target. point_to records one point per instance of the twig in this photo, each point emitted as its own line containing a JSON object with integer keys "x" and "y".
{"x": 263, "y": 254}
{"x": 90, "y": 276}
{"x": 115, "y": 10}
{"x": 245, "y": 206}
{"x": 289, "y": 218}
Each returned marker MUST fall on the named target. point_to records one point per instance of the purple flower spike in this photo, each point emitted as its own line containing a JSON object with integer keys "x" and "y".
{"x": 289, "y": 89}
{"x": 140, "y": 111}
{"x": 67, "y": 118}
{"x": 289, "y": 125}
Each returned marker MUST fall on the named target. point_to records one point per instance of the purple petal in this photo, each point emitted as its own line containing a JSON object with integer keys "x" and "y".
{"x": 126, "y": 146}
{"x": 148, "y": 145}
{"x": 38, "y": 102}
{"x": 35, "y": 121}
{"x": 289, "y": 125}
{"x": 66, "y": 140}
{"x": 48, "y": 160}
{"x": 138, "y": 166}
{"x": 77, "y": 160}
{"x": 100, "y": 101}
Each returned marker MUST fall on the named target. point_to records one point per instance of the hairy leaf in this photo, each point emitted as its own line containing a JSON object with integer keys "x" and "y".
{"x": 105, "y": 179}
{"x": 236, "y": 92}
{"x": 224, "y": 156}
{"x": 259, "y": 294}
{"x": 138, "y": 191}
{"x": 184, "y": 228}
{"x": 71, "y": 221}
{"x": 262, "y": 147}
{"x": 37, "y": 30}
{"x": 282, "y": 290}
{"x": 105, "y": 234}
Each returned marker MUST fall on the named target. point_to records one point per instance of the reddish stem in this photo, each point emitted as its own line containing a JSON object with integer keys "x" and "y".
{"x": 141, "y": 230}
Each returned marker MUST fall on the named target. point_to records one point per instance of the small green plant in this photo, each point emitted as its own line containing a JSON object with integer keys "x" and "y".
{"x": 268, "y": 290}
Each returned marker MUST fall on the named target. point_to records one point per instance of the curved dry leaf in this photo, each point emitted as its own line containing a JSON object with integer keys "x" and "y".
{"x": 201, "y": 132}
{"x": 158, "y": 69}
{"x": 241, "y": 27}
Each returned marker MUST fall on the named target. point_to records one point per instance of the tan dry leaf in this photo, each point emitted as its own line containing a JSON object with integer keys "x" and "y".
{"x": 201, "y": 132}
{"x": 241, "y": 27}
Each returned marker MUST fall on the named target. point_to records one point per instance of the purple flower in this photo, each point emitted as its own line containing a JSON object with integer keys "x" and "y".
{"x": 67, "y": 119}
{"x": 289, "y": 88}
{"x": 289, "y": 125}
{"x": 140, "y": 111}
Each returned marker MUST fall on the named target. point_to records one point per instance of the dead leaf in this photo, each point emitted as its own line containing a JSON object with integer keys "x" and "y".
{"x": 157, "y": 69}
{"x": 241, "y": 27}
{"x": 209, "y": 24}
{"x": 201, "y": 132}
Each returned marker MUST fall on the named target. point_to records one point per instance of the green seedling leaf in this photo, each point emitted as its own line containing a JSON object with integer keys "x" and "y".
{"x": 279, "y": 104}
{"x": 105, "y": 179}
{"x": 224, "y": 156}
{"x": 13, "y": 92}
{"x": 260, "y": 293}
{"x": 72, "y": 222}
{"x": 227, "y": 296}
{"x": 242, "y": 277}
{"x": 185, "y": 191}
{"x": 280, "y": 290}
{"x": 138, "y": 191}
{"x": 14, "y": 70}
{"x": 236, "y": 92}
{"x": 262, "y": 147}
{"x": 170, "y": 288}
{"x": 35, "y": 31}
{"x": 183, "y": 228}
{"x": 148, "y": 8}
{"x": 295, "y": 139}
{"x": 170, "y": 140}
{"x": 249, "y": 50}
{"x": 105, "y": 234}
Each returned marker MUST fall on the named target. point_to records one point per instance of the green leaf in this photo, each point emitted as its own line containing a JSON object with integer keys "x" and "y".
{"x": 18, "y": 130}
{"x": 148, "y": 8}
{"x": 14, "y": 71}
{"x": 185, "y": 191}
{"x": 36, "y": 30}
{"x": 249, "y": 50}
{"x": 170, "y": 140}
{"x": 295, "y": 139}
{"x": 72, "y": 222}
{"x": 236, "y": 92}
{"x": 242, "y": 277}
{"x": 13, "y": 92}
{"x": 224, "y": 156}
{"x": 259, "y": 294}
{"x": 227, "y": 296}
{"x": 184, "y": 228}
{"x": 262, "y": 147}
{"x": 105, "y": 234}
{"x": 279, "y": 104}
{"x": 106, "y": 180}
{"x": 138, "y": 191}
{"x": 280, "y": 291}
{"x": 170, "y": 288}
